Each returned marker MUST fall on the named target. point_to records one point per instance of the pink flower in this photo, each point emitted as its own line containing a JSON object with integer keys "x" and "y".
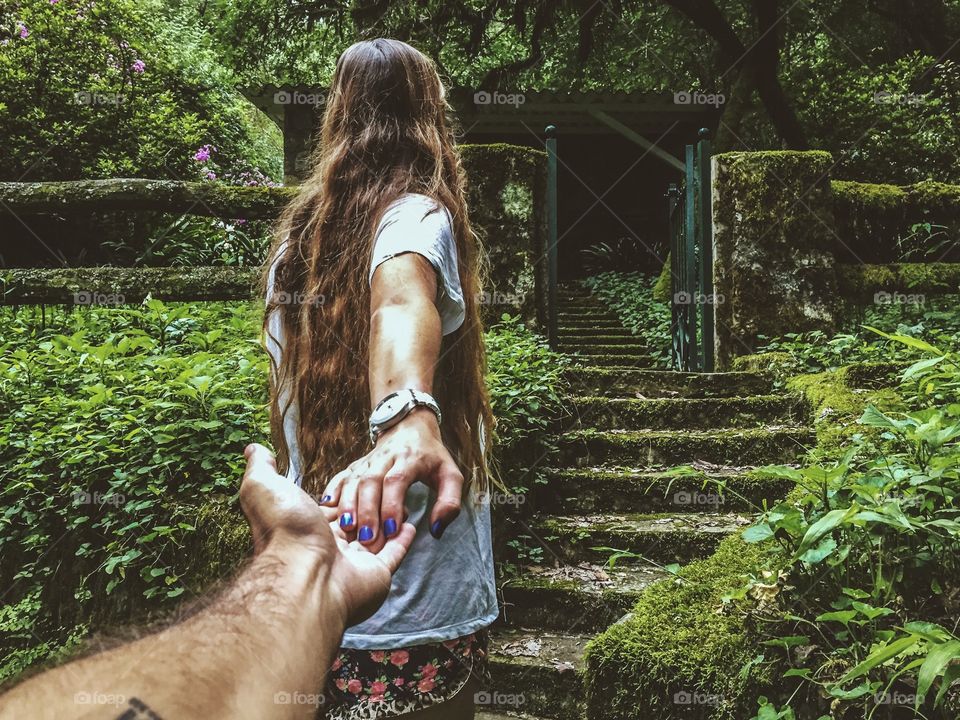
{"x": 341, "y": 684}
{"x": 23, "y": 31}
{"x": 54, "y": 2}
{"x": 425, "y": 685}
{"x": 375, "y": 698}
{"x": 378, "y": 655}
{"x": 378, "y": 687}
{"x": 398, "y": 681}
{"x": 211, "y": 175}
{"x": 202, "y": 154}
{"x": 355, "y": 686}
{"x": 399, "y": 657}
{"x": 337, "y": 664}
{"x": 138, "y": 66}
{"x": 429, "y": 670}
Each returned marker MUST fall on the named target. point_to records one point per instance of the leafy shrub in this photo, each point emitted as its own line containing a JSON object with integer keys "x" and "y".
{"x": 115, "y": 88}
{"x": 860, "y": 589}
{"x": 630, "y": 296}
{"x": 117, "y": 423}
{"x": 814, "y": 351}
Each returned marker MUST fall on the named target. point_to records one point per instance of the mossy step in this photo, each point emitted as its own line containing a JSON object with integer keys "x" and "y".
{"x": 658, "y": 448}
{"x": 612, "y": 489}
{"x": 663, "y": 539}
{"x": 617, "y": 342}
{"x": 685, "y": 413}
{"x": 617, "y": 360}
{"x": 506, "y": 715}
{"x": 631, "y": 347}
{"x": 580, "y": 597}
{"x": 592, "y": 328}
{"x": 666, "y": 383}
{"x": 583, "y": 308}
{"x": 541, "y": 667}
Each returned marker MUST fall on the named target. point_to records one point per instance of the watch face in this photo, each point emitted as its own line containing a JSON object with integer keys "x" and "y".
{"x": 388, "y": 409}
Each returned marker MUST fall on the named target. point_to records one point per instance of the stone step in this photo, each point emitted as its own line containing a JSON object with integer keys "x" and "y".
{"x": 581, "y": 322}
{"x": 704, "y": 487}
{"x": 591, "y": 329}
{"x": 539, "y": 668}
{"x": 585, "y": 310}
{"x": 662, "y": 539}
{"x": 666, "y": 383}
{"x": 619, "y": 361}
{"x": 606, "y": 339}
{"x": 658, "y": 448}
{"x": 685, "y": 413}
{"x": 579, "y": 598}
{"x": 630, "y": 347}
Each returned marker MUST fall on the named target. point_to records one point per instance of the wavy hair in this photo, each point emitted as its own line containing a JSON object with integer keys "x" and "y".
{"x": 385, "y": 132}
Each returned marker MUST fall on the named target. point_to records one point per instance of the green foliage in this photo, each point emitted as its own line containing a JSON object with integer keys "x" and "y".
{"x": 934, "y": 320}
{"x": 630, "y": 296}
{"x": 866, "y": 552}
{"x": 892, "y": 121}
{"x": 116, "y": 424}
{"x": 118, "y": 88}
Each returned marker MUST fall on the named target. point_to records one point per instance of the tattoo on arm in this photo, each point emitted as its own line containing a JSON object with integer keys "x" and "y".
{"x": 138, "y": 710}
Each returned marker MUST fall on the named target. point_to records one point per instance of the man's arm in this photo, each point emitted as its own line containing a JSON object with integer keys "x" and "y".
{"x": 261, "y": 650}
{"x": 405, "y": 336}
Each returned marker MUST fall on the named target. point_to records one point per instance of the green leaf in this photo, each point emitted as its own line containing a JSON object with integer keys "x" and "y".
{"x": 933, "y": 666}
{"x": 758, "y": 533}
{"x": 880, "y": 656}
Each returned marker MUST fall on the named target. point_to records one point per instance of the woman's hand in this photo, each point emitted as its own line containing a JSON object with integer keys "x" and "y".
{"x": 370, "y": 493}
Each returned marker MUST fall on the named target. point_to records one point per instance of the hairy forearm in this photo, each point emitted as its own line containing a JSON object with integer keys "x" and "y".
{"x": 260, "y": 650}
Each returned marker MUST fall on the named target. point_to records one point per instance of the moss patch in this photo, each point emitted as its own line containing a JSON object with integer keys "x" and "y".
{"x": 678, "y": 639}
{"x": 872, "y": 220}
{"x": 865, "y": 284}
{"x": 837, "y": 399}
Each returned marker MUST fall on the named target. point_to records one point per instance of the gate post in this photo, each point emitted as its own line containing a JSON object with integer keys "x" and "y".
{"x": 551, "y": 143}
{"x": 705, "y": 243}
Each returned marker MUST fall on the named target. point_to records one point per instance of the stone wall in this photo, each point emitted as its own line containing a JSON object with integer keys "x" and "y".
{"x": 507, "y": 192}
{"x": 773, "y": 248}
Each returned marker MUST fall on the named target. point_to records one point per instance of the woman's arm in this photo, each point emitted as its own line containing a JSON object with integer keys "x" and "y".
{"x": 405, "y": 335}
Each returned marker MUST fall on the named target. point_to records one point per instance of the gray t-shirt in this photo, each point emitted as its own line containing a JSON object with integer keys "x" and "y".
{"x": 445, "y": 588}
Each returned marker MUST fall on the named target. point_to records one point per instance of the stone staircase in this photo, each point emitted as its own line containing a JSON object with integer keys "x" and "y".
{"x": 606, "y": 490}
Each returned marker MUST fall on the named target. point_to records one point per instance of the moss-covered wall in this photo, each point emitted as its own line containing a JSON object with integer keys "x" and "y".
{"x": 865, "y": 284}
{"x": 774, "y": 266}
{"x": 874, "y": 222}
{"x": 506, "y": 193}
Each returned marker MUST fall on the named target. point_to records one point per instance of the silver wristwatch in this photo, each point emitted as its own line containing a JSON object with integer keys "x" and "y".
{"x": 395, "y": 407}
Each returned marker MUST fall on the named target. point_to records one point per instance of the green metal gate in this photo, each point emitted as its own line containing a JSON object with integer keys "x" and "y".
{"x": 691, "y": 261}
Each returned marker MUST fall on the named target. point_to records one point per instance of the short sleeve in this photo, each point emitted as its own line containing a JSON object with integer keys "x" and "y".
{"x": 416, "y": 223}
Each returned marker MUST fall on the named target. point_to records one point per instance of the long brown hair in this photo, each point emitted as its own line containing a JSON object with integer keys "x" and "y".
{"x": 385, "y": 132}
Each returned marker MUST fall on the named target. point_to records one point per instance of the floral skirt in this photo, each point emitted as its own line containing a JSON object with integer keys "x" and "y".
{"x": 373, "y": 684}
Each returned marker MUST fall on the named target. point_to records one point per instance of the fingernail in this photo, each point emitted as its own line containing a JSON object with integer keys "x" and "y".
{"x": 366, "y": 533}
{"x": 346, "y": 520}
{"x": 325, "y": 499}
{"x": 437, "y": 529}
{"x": 390, "y": 527}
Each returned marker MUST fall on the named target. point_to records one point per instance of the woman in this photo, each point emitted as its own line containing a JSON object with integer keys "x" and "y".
{"x": 373, "y": 330}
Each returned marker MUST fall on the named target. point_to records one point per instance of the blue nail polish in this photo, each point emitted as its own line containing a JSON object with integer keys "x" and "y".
{"x": 390, "y": 527}
{"x": 366, "y": 533}
{"x": 325, "y": 499}
{"x": 437, "y": 529}
{"x": 346, "y": 520}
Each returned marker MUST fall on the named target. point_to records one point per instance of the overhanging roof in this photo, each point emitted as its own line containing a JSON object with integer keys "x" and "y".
{"x": 572, "y": 112}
